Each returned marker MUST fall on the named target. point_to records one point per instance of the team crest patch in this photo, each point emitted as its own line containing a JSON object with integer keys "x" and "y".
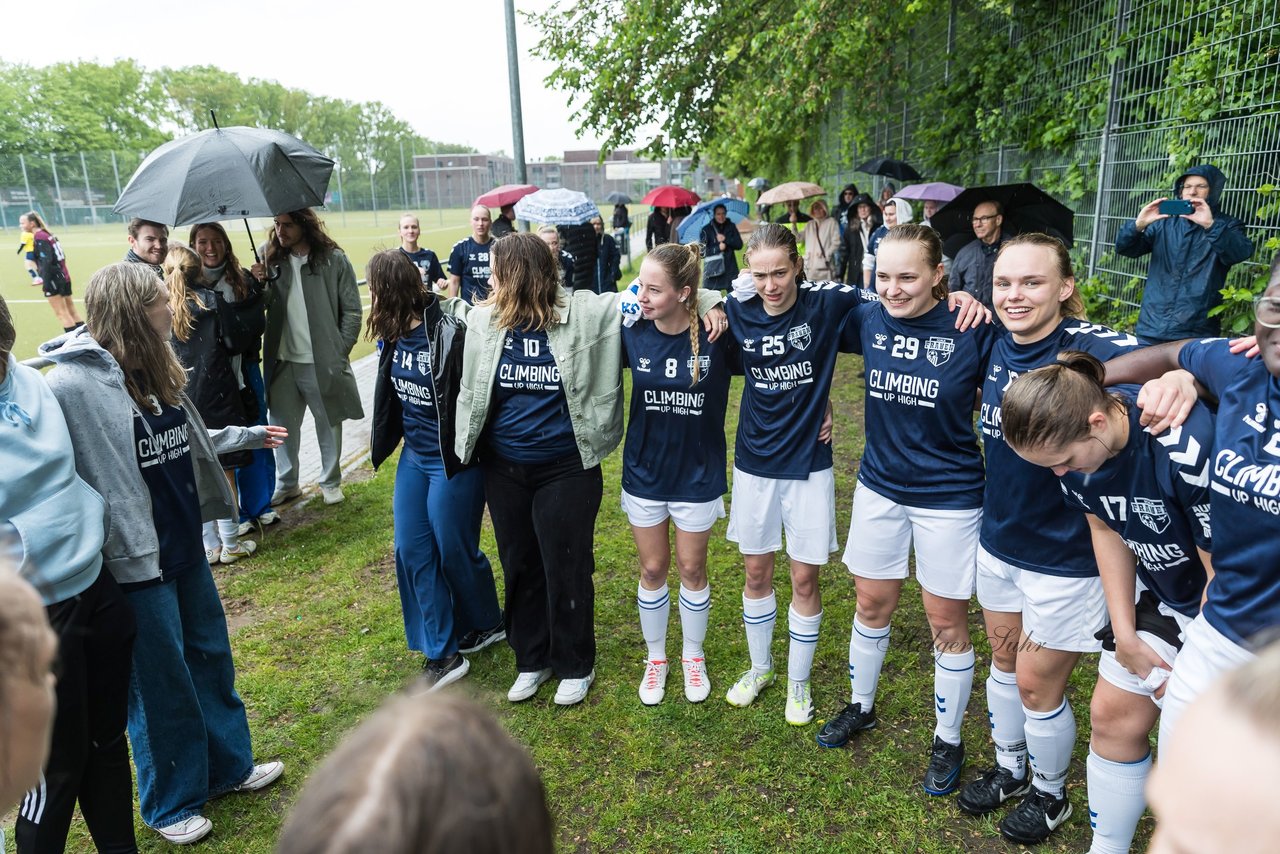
{"x": 424, "y": 362}
{"x": 800, "y": 336}
{"x": 1151, "y": 512}
{"x": 704, "y": 366}
{"x": 939, "y": 350}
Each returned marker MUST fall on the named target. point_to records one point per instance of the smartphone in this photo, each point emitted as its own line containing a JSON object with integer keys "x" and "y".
{"x": 1176, "y": 207}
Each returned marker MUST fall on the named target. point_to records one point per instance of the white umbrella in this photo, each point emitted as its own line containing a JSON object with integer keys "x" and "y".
{"x": 557, "y": 207}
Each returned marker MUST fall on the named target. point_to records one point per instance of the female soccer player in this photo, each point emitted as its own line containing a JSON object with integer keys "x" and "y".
{"x": 1147, "y": 500}
{"x": 1037, "y": 580}
{"x": 920, "y": 482}
{"x": 674, "y": 459}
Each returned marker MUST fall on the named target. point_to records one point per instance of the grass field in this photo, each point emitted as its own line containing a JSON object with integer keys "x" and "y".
{"x": 316, "y": 629}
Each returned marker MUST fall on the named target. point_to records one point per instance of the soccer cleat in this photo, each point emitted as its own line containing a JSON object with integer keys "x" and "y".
{"x": 261, "y": 776}
{"x": 653, "y": 687}
{"x": 439, "y": 672}
{"x": 527, "y": 684}
{"x": 477, "y": 639}
{"x": 837, "y": 731}
{"x": 697, "y": 683}
{"x": 748, "y": 687}
{"x": 187, "y": 831}
{"x": 799, "y": 702}
{"x": 244, "y": 548}
{"x": 993, "y": 788}
{"x": 570, "y": 692}
{"x": 1039, "y": 815}
{"x": 942, "y": 777}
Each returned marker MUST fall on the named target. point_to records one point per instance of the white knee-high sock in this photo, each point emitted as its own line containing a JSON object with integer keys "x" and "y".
{"x": 758, "y": 616}
{"x": 867, "y": 648}
{"x": 952, "y": 684}
{"x": 209, "y": 533}
{"x": 1050, "y": 737}
{"x": 804, "y": 640}
{"x": 228, "y": 532}
{"x": 1116, "y": 801}
{"x": 655, "y": 608}
{"x": 695, "y": 609}
{"x": 1004, "y": 710}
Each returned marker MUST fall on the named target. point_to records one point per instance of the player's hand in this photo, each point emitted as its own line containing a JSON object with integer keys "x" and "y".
{"x": 1202, "y": 215}
{"x": 275, "y": 436}
{"x": 1149, "y": 214}
{"x": 828, "y": 425}
{"x": 1167, "y": 400}
{"x": 715, "y": 322}
{"x": 1247, "y": 345}
{"x": 1138, "y": 658}
{"x": 969, "y": 312}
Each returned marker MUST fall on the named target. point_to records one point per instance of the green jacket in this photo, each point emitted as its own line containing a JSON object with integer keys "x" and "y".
{"x": 587, "y": 345}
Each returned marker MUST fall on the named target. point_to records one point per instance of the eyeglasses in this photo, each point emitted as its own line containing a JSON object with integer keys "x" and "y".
{"x": 1267, "y": 311}
{"x": 979, "y": 220}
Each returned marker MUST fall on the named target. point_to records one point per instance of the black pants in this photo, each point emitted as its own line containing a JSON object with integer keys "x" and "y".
{"x": 89, "y": 756}
{"x": 544, "y": 519}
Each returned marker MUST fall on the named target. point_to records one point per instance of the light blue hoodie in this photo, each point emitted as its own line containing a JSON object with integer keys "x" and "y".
{"x": 51, "y": 521}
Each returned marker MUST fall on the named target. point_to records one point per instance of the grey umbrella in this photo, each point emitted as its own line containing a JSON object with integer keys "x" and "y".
{"x": 226, "y": 173}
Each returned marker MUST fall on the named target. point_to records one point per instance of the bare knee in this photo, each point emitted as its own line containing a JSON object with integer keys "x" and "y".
{"x": 653, "y": 574}
{"x": 759, "y": 576}
{"x": 693, "y": 574}
{"x": 875, "y": 610}
{"x": 1120, "y": 723}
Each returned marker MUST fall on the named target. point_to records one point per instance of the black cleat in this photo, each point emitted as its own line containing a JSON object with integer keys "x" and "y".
{"x": 945, "y": 761}
{"x": 1035, "y": 818}
{"x": 992, "y": 789}
{"x": 477, "y": 639}
{"x": 836, "y": 732}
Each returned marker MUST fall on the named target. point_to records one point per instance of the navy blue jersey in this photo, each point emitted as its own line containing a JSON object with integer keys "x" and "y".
{"x": 675, "y": 448}
{"x": 411, "y": 378}
{"x": 164, "y": 459}
{"x": 1023, "y": 520}
{"x": 787, "y": 361}
{"x": 1244, "y": 596}
{"x": 426, "y": 262}
{"x": 530, "y": 416}
{"x": 922, "y": 379}
{"x": 1155, "y": 494}
{"x": 469, "y": 261}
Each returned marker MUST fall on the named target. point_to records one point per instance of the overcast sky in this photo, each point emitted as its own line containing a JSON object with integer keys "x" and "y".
{"x": 441, "y": 64}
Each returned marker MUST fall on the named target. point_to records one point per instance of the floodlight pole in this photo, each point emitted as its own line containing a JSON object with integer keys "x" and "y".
{"x": 513, "y": 77}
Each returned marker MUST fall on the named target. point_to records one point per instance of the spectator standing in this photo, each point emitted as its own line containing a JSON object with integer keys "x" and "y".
{"x": 469, "y": 260}
{"x": 976, "y": 261}
{"x": 896, "y": 212}
{"x": 313, "y": 320}
{"x": 505, "y": 223}
{"x": 821, "y": 237}
{"x": 846, "y": 206}
{"x": 148, "y": 243}
{"x": 608, "y": 259}
{"x": 720, "y": 238}
{"x": 50, "y": 270}
{"x": 581, "y": 243}
{"x": 424, "y": 259}
{"x": 657, "y": 228}
{"x": 1190, "y": 257}
{"x": 864, "y": 218}
{"x": 550, "y": 235}
{"x": 622, "y": 220}
{"x": 793, "y": 217}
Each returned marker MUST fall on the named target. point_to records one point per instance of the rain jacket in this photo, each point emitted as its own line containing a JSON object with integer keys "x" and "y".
{"x": 1188, "y": 267}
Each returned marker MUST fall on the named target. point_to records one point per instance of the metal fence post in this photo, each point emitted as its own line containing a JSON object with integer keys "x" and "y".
{"x": 88, "y": 192}
{"x": 57, "y": 189}
{"x": 342, "y": 197}
{"x": 1104, "y": 144}
{"x": 115, "y": 170}
{"x": 31, "y": 200}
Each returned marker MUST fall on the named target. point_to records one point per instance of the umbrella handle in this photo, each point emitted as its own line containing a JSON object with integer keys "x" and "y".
{"x": 253, "y": 245}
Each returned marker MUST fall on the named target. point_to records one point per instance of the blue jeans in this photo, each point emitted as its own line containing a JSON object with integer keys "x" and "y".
{"x": 187, "y": 725}
{"x": 445, "y": 581}
{"x": 257, "y": 481}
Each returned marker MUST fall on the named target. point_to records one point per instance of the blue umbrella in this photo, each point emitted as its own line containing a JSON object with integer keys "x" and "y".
{"x": 690, "y": 228}
{"x": 556, "y": 207}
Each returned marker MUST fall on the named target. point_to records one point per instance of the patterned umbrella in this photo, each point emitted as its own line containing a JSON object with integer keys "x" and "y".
{"x": 557, "y": 207}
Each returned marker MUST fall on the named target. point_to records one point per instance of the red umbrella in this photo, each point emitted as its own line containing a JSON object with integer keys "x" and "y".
{"x": 507, "y": 194}
{"x": 670, "y": 196}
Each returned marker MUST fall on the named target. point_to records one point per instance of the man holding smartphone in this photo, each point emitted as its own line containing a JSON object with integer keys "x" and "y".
{"x": 1193, "y": 245}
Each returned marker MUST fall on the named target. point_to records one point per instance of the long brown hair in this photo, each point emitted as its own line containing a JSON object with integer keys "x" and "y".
{"x": 683, "y": 265}
{"x": 399, "y": 296}
{"x": 1050, "y": 406}
{"x": 313, "y": 234}
{"x": 36, "y": 218}
{"x": 183, "y": 273}
{"x": 1072, "y": 306}
{"x": 232, "y": 270}
{"x": 930, "y": 246}
{"x": 114, "y": 304}
{"x": 526, "y": 295}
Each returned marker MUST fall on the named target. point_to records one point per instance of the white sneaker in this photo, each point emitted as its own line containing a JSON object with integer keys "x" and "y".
{"x": 245, "y": 527}
{"x": 285, "y": 494}
{"x": 653, "y": 687}
{"x": 212, "y": 555}
{"x": 332, "y": 494}
{"x": 697, "y": 684}
{"x": 799, "y": 703}
{"x": 748, "y": 687}
{"x": 527, "y": 684}
{"x": 244, "y": 548}
{"x": 268, "y": 517}
{"x": 186, "y": 831}
{"x": 262, "y": 776}
{"x": 574, "y": 691}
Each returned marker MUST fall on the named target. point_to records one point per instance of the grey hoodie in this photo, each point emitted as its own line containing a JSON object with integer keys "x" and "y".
{"x": 89, "y": 385}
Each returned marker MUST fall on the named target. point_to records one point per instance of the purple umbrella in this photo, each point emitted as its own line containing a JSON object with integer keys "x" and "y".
{"x": 935, "y": 191}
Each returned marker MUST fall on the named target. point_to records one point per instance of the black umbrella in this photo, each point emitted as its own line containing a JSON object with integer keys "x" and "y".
{"x": 1026, "y": 208}
{"x": 899, "y": 169}
{"x": 226, "y": 173}
{"x": 618, "y": 198}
